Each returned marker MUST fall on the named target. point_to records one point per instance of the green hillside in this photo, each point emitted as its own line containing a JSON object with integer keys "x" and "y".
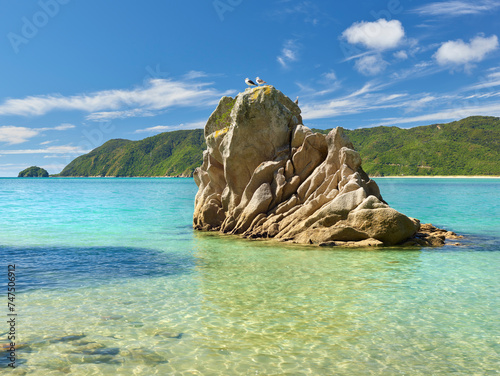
{"x": 33, "y": 172}
{"x": 467, "y": 147}
{"x": 175, "y": 153}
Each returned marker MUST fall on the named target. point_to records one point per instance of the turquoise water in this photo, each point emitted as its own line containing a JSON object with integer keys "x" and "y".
{"x": 111, "y": 280}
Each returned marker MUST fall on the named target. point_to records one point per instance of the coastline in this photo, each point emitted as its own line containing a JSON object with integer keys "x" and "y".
{"x": 371, "y": 177}
{"x": 438, "y": 176}
{"x": 117, "y": 177}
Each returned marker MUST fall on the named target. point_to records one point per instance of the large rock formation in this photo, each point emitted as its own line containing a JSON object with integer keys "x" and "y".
{"x": 264, "y": 174}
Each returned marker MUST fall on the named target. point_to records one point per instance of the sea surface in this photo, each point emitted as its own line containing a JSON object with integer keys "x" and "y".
{"x": 112, "y": 280}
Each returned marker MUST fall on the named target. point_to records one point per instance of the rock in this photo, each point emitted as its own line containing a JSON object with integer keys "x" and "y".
{"x": 266, "y": 175}
{"x": 112, "y": 317}
{"x": 431, "y": 236}
{"x": 366, "y": 243}
{"x": 384, "y": 224}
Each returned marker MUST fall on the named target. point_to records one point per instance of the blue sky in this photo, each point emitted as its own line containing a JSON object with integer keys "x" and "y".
{"x": 76, "y": 73}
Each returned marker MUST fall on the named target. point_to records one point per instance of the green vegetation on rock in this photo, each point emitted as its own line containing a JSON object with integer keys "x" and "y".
{"x": 33, "y": 172}
{"x": 467, "y": 147}
{"x": 470, "y": 146}
{"x": 175, "y": 153}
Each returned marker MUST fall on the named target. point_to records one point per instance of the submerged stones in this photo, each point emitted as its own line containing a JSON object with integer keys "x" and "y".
{"x": 266, "y": 175}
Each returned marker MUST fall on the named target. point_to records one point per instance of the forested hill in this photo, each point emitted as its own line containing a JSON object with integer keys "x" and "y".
{"x": 175, "y": 153}
{"x": 467, "y": 147}
{"x": 470, "y": 146}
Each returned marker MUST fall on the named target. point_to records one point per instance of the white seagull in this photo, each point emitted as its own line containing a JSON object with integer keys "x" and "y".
{"x": 250, "y": 82}
{"x": 259, "y": 81}
{"x": 297, "y": 101}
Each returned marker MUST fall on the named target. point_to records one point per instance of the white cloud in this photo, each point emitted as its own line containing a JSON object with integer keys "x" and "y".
{"x": 330, "y": 75}
{"x": 367, "y": 88}
{"x": 109, "y": 115}
{"x": 418, "y": 104}
{"x": 157, "y": 94}
{"x": 289, "y": 53}
{"x": 378, "y": 35}
{"x": 62, "y": 127}
{"x": 168, "y": 128}
{"x": 458, "y": 52}
{"x": 191, "y": 75}
{"x": 361, "y": 100}
{"x": 492, "y": 109}
{"x": 457, "y": 8}
{"x": 308, "y": 9}
{"x": 64, "y": 149}
{"x": 401, "y": 55}
{"x": 491, "y": 80}
{"x": 13, "y": 167}
{"x": 422, "y": 69}
{"x": 56, "y": 156}
{"x": 353, "y": 57}
{"x": 328, "y": 86}
{"x": 331, "y": 108}
{"x": 16, "y": 135}
{"x": 370, "y": 65}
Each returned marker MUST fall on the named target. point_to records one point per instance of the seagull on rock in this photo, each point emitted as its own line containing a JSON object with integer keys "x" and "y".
{"x": 250, "y": 82}
{"x": 260, "y": 82}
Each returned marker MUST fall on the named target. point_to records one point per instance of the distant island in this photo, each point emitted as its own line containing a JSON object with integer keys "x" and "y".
{"x": 33, "y": 172}
{"x": 467, "y": 147}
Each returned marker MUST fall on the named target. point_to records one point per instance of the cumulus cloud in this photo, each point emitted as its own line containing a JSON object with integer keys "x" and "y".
{"x": 370, "y": 65}
{"x": 378, "y": 35}
{"x": 458, "y": 52}
{"x": 457, "y": 8}
{"x": 157, "y": 94}
{"x": 12, "y": 135}
{"x": 289, "y": 53}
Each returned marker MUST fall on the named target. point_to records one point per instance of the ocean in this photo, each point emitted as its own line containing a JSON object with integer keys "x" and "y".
{"x": 111, "y": 279}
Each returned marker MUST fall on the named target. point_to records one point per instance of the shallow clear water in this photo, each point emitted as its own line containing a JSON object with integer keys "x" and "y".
{"x": 112, "y": 280}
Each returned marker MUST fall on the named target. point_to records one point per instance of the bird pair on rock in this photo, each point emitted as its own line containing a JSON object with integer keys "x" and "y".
{"x": 251, "y": 83}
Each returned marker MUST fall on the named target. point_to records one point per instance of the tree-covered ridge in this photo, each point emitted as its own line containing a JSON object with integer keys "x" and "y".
{"x": 175, "y": 153}
{"x": 467, "y": 147}
{"x": 33, "y": 172}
